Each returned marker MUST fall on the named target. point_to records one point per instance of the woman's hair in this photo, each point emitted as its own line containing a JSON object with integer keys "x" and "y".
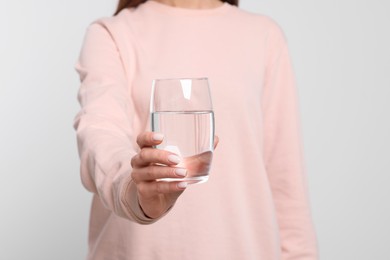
{"x": 134, "y": 3}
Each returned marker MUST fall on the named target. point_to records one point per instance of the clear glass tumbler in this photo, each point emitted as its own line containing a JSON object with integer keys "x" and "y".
{"x": 182, "y": 110}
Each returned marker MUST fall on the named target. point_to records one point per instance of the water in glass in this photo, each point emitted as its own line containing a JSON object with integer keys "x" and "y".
{"x": 189, "y": 134}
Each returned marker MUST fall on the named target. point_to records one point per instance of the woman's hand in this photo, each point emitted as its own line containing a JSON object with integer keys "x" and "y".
{"x": 149, "y": 165}
{"x": 156, "y": 197}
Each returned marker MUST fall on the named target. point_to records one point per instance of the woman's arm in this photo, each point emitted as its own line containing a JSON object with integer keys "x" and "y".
{"x": 283, "y": 152}
{"x": 104, "y": 126}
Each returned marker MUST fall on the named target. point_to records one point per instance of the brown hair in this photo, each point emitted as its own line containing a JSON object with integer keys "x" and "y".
{"x": 134, "y": 3}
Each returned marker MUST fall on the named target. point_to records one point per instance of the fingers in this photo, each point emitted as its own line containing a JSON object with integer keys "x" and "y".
{"x": 150, "y": 155}
{"x": 154, "y": 172}
{"x": 148, "y": 139}
{"x": 148, "y": 189}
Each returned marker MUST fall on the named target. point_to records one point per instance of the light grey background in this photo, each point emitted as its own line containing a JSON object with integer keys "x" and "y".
{"x": 341, "y": 56}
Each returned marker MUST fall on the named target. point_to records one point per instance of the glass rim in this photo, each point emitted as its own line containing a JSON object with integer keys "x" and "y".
{"x": 184, "y": 78}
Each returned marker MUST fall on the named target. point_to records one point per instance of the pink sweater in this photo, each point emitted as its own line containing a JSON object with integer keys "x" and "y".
{"x": 255, "y": 204}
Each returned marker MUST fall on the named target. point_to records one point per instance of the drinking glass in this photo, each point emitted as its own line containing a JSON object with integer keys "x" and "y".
{"x": 181, "y": 109}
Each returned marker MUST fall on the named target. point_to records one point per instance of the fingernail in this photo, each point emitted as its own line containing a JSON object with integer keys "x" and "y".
{"x": 173, "y": 158}
{"x": 158, "y": 137}
{"x": 181, "y": 172}
{"x": 182, "y": 185}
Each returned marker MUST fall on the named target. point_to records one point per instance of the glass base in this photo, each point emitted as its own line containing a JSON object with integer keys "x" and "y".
{"x": 190, "y": 180}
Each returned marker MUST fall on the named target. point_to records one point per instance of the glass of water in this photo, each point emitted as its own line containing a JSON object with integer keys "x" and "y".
{"x": 181, "y": 109}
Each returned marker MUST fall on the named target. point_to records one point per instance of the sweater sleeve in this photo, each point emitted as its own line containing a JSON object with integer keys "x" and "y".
{"x": 105, "y": 135}
{"x": 283, "y": 152}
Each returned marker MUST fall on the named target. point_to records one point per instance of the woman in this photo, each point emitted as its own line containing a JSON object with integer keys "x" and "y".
{"x": 255, "y": 204}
